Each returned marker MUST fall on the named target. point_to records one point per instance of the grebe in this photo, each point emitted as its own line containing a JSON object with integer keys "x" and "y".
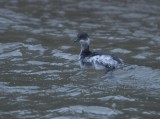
{"x": 95, "y": 60}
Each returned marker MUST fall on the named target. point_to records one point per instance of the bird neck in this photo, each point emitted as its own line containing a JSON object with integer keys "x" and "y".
{"x": 85, "y": 51}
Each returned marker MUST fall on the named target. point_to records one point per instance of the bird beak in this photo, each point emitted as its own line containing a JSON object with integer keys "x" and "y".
{"x": 76, "y": 40}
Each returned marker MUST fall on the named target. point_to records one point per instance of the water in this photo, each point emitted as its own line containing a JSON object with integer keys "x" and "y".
{"x": 39, "y": 71}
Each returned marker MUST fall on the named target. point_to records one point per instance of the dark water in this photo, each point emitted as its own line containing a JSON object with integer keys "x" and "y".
{"x": 40, "y": 76}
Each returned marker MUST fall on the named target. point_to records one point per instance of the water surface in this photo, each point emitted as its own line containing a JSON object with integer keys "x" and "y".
{"x": 39, "y": 72}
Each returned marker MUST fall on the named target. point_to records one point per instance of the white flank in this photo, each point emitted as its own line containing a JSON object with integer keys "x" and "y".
{"x": 100, "y": 61}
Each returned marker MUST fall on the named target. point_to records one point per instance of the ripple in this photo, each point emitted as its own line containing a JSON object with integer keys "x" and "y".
{"x": 37, "y": 63}
{"x": 120, "y": 50}
{"x": 16, "y": 53}
{"x": 89, "y": 110}
{"x": 157, "y": 58}
{"x": 31, "y": 72}
{"x": 20, "y": 89}
{"x": 118, "y": 97}
{"x": 15, "y": 20}
{"x": 6, "y": 47}
{"x": 131, "y": 109}
{"x": 68, "y": 117}
{"x": 46, "y": 72}
{"x": 139, "y": 77}
{"x": 140, "y": 56}
{"x": 18, "y": 113}
{"x": 143, "y": 48}
{"x": 64, "y": 47}
{"x": 151, "y": 113}
{"x": 37, "y": 47}
{"x": 21, "y": 28}
{"x": 143, "y": 55}
{"x": 67, "y": 56}
{"x": 134, "y": 15}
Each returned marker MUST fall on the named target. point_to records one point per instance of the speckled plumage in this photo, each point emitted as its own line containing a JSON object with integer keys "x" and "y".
{"x": 95, "y": 60}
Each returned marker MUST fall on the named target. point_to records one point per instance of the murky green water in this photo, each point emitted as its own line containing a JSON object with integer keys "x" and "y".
{"x": 40, "y": 76}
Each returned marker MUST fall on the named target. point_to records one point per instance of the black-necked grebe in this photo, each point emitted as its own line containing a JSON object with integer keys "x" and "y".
{"x": 94, "y": 59}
